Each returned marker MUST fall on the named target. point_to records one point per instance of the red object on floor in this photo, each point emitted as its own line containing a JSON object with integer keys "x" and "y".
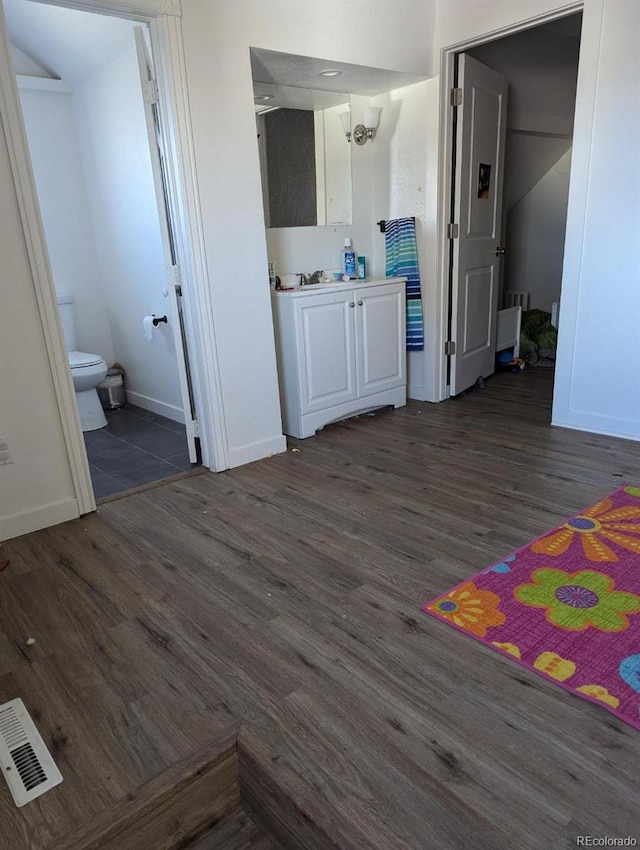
{"x": 4, "y": 564}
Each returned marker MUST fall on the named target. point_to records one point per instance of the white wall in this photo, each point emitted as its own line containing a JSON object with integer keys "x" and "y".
{"x": 600, "y": 291}
{"x": 457, "y": 21}
{"x": 598, "y": 367}
{"x": 23, "y": 64}
{"x": 217, "y": 37}
{"x": 404, "y": 175}
{"x": 541, "y": 66}
{"x": 527, "y": 159}
{"x": 597, "y": 386}
{"x": 36, "y": 488}
{"x": 110, "y": 122}
{"x": 535, "y": 238}
{"x": 57, "y": 165}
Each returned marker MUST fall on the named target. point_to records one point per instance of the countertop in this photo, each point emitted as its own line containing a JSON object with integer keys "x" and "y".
{"x": 333, "y": 286}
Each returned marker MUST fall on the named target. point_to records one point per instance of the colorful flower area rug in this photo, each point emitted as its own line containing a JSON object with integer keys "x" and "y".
{"x": 567, "y": 606}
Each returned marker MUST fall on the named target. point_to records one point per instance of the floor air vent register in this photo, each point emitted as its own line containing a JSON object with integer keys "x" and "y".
{"x": 25, "y": 761}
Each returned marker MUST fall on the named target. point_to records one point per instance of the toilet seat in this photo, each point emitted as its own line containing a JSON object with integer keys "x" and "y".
{"x": 87, "y": 372}
{"x": 81, "y": 359}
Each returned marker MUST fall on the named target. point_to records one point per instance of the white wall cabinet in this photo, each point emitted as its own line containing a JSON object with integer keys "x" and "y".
{"x": 341, "y": 350}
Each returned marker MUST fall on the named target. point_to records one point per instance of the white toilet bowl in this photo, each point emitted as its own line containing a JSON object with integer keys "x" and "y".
{"x": 87, "y": 371}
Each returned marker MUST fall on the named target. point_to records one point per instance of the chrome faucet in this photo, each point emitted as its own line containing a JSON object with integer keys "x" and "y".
{"x": 308, "y": 279}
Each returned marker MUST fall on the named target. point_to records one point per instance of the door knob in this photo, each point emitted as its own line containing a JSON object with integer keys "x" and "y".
{"x": 500, "y": 251}
{"x": 359, "y": 303}
{"x": 352, "y": 304}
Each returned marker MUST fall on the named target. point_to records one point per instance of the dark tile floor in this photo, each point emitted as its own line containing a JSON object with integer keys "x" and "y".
{"x": 134, "y": 448}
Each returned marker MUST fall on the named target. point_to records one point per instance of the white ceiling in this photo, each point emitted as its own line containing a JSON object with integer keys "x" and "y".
{"x": 69, "y": 44}
{"x": 296, "y": 79}
{"x": 72, "y": 45}
{"x": 290, "y": 97}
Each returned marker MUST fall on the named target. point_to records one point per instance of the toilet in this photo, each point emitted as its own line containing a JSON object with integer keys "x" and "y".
{"x": 87, "y": 370}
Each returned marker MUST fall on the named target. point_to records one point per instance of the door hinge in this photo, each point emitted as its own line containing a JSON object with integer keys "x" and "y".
{"x": 452, "y": 230}
{"x": 150, "y": 92}
{"x": 449, "y": 348}
{"x": 192, "y": 428}
{"x": 177, "y": 279}
{"x": 456, "y": 97}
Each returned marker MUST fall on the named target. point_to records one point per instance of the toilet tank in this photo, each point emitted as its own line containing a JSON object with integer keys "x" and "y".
{"x": 67, "y": 316}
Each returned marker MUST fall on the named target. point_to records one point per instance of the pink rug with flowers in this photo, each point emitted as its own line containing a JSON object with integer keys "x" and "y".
{"x": 567, "y": 606}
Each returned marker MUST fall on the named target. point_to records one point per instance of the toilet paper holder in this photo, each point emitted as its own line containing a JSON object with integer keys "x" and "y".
{"x": 158, "y": 319}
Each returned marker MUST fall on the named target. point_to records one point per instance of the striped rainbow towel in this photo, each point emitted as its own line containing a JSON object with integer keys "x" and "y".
{"x": 402, "y": 261}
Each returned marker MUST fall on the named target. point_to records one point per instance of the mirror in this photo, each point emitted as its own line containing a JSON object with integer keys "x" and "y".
{"x": 305, "y": 159}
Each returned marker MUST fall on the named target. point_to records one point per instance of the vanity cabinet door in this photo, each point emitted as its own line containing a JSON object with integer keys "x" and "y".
{"x": 381, "y": 351}
{"x": 325, "y": 350}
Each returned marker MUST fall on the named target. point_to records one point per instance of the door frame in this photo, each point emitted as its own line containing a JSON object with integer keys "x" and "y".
{"x": 165, "y": 25}
{"x": 445, "y": 172}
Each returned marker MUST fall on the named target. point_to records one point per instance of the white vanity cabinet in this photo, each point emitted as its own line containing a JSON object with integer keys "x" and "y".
{"x": 341, "y": 350}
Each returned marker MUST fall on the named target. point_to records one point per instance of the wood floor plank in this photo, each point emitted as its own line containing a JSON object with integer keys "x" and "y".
{"x": 237, "y": 834}
{"x": 187, "y": 799}
{"x": 285, "y": 596}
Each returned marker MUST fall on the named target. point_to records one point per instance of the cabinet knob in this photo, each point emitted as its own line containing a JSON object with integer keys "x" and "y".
{"x": 352, "y": 304}
{"x": 359, "y": 303}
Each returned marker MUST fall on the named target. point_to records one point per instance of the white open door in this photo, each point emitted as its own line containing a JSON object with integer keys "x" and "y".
{"x": 171, "y": 286}
{"x": 479, "y": 165}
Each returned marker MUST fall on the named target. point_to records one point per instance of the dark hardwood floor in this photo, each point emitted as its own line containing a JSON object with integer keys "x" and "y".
{"x": 285, "y": 595}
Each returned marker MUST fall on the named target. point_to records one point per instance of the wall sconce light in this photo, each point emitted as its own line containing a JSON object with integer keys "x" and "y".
{"x": 345, "y": 117}
{"x": 362, "y": 132}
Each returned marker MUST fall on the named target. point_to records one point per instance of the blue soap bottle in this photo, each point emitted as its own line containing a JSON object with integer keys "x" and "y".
{"x": 349, "y": 260}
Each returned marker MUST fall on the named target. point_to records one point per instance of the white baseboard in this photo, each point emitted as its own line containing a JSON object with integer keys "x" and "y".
{"x": 257, "y": 451}
{"x": 42, "y": 517}
{"x": 416, "y": 392}
{"x": 176, "y": 414}
{"x": 608, "y": 426}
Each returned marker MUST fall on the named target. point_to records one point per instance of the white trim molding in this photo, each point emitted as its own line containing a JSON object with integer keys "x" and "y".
{"x": 445, "y": 148}
{"x": 257, "y": 451}
{"x": 164, "y": 20}
{"x": 593, "y": 423}
{"x": 11, "y": 113}
{"x": 43, "y": 84}
{"x": 169, "y": 411}
{"x": 42, "y": 517}
{"x": 171, "y": 75}
{"x": 135, "y": 10}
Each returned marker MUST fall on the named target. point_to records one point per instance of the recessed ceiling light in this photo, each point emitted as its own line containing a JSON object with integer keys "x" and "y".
{"x": 330, "y": 72}
{"x": 262, "y": 97}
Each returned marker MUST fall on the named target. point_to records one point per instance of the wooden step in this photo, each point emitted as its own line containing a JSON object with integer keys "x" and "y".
{"x": 176, "y": 807}
{"x": 239, "y": 833}
{"x": 284, "y": 804}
